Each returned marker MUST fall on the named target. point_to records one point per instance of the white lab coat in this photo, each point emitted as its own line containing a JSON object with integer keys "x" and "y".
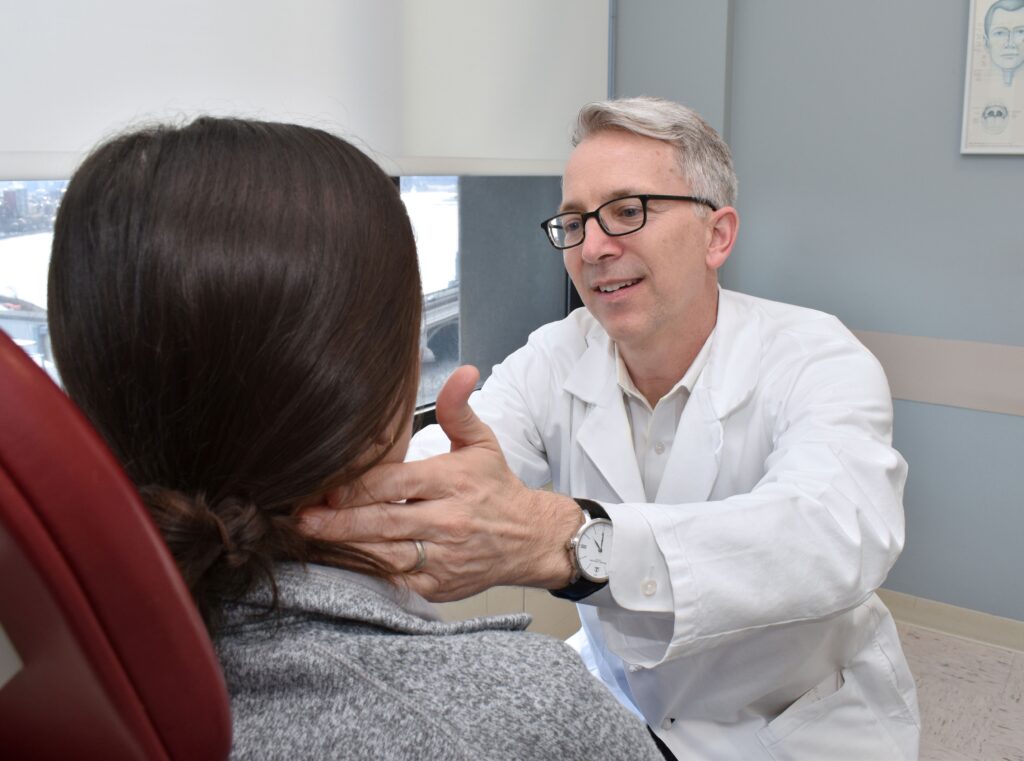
{"x": 740, "y": 619}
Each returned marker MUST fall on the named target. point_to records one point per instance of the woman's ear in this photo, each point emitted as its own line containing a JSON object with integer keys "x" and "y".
{"x": 398, "y": 437}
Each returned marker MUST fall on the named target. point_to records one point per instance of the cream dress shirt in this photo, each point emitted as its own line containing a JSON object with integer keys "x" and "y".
{"x": 654, "y": 432}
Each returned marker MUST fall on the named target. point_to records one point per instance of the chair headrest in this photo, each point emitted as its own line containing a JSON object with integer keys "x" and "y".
{"x": 106, "y": 655}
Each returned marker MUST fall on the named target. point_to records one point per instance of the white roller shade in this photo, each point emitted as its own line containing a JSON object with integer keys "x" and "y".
{"x": 494, "y": 87}
{"x": 438, "y": 86}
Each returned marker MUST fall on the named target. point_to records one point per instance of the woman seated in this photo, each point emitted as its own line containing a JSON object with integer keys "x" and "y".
{"x": 235, "y": 305}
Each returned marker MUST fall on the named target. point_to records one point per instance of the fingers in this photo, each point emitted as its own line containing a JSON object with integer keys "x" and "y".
{"x": 454, "y": 414}
{"x": 372, "y": 523}
{"x": 433, "y": 580}
{"x": 390, "y": 482}
{"x": 437, "y": 570}
{"x": 458, "y": 387}
{"x": 409, "y": 556}
{"x": 404, "y": 557}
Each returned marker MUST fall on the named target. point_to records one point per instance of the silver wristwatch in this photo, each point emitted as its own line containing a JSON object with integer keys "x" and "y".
{"x": 590, "y": 551}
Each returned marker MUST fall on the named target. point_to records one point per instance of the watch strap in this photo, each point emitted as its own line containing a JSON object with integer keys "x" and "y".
{"x": 583, "y": 587}
{"x": 593, "y": 509}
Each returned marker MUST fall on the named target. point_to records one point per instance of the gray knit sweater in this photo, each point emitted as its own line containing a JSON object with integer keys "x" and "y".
{"x": 354, "y": 668}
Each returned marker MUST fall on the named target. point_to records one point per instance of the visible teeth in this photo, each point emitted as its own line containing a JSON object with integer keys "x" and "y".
{"x": 613, "y": 288}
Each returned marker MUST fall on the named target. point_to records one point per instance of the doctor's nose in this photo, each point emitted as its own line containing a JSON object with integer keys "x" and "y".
{"x": 597, "y": 244}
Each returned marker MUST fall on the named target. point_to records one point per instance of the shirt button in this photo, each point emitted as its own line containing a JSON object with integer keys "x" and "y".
{"x": 648, "y": 587}
{"x": 659, "y": 448}
{"x": 667, "y": 724}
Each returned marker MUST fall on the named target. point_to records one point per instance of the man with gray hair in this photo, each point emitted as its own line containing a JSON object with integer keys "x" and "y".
{"x": 726, "y": 498}
{"x": 1004, "y": 36}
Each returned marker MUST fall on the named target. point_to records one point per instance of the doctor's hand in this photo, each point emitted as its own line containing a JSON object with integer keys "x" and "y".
{"x": 478, "y": 525}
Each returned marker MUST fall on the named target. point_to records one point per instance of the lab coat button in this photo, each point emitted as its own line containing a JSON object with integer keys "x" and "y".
{"x": 649, "y": 587}
{"x": 633, "y": 668}
{"x": 659, "y": 448}
{"x": 667, "y": 724}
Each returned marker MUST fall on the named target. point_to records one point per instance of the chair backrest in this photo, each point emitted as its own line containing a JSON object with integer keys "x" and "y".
{"x": 102, "y": 651}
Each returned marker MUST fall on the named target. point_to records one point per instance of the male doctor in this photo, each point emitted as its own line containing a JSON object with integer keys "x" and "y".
{"x": 726, "y": 499}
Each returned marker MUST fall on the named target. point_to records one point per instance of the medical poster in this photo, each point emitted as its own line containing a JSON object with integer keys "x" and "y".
{"x": 994, "y": 89}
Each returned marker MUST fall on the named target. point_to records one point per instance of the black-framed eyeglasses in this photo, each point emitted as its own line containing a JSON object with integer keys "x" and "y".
{"x": 620, "y": 216}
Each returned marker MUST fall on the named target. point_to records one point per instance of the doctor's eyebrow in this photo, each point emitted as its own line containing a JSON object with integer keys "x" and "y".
{"x": 571, "y": 205}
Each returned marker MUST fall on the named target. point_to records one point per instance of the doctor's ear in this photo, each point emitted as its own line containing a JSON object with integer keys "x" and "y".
{"x": 724, "y": 224}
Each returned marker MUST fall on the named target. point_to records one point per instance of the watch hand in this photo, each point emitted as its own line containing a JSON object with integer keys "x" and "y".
{"x": 600, "y": 544}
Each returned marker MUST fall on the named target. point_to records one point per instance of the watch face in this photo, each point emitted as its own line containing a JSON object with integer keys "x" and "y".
{"x": 594, "y": 551}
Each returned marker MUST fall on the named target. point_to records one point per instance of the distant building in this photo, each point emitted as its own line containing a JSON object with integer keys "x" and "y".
{"x": 15, "y": 202}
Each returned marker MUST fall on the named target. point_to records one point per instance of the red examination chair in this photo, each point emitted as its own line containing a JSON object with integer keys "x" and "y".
{"x": 102, "y": 652}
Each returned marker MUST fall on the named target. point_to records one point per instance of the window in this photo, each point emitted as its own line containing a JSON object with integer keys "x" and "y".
{"x": 27, "y": 211}
{"x": 433, "y": 206}
{"x": 481, "y": 251}
{"x": 489, "y": 275}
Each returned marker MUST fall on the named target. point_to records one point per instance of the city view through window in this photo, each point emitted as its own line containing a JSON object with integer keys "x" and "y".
{"x": 28, "y": 209}
{"x": 433, "y": 205}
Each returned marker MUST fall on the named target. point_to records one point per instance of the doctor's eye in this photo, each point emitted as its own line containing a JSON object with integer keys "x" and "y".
{"x": 624, "y": 210}
{"x": 571, "y": 224}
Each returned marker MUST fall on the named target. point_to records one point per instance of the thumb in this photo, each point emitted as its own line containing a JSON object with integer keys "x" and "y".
{"x": 454, "y": 414}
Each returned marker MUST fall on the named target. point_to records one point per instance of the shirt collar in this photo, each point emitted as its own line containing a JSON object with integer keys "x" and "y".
{"x": 688, "y": 381}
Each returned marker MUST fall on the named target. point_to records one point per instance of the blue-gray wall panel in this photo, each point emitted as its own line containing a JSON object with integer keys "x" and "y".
{"x": 675, "y": 49}
{"x": 854, "y": 197}
{"x": 511, "y": 279}
{"x": 844, "y": 120}
{"x": 965, "y": 508}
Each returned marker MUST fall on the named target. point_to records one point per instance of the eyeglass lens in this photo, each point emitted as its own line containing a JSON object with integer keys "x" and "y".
{"x": 617, "y": 217}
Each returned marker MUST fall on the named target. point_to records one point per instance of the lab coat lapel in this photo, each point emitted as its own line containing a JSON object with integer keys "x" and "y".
{"x": 604, "y": 435}
{"x": 696, "y": 453}
{"x": 727, "y": 381}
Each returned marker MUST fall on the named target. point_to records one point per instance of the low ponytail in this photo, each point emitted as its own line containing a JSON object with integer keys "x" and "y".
{"x": 222, "y": 550}
{"x": 226, "y": 549}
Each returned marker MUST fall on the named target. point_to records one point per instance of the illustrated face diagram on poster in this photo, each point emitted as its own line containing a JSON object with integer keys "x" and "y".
{"x": 994, "y": 90}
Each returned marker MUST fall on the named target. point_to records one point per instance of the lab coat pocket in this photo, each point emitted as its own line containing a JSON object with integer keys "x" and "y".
{"x": 833, "y": 721}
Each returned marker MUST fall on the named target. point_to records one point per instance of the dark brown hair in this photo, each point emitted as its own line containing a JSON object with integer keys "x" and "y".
{"x": 235, "y": 305}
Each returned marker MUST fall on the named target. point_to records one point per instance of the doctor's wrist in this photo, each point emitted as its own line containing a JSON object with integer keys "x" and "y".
{"x": 558, "y": 518}
{"x": 590, "y": 552}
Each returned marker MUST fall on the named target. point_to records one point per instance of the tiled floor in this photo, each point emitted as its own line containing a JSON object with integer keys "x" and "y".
{"x": 971, "y": 697}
